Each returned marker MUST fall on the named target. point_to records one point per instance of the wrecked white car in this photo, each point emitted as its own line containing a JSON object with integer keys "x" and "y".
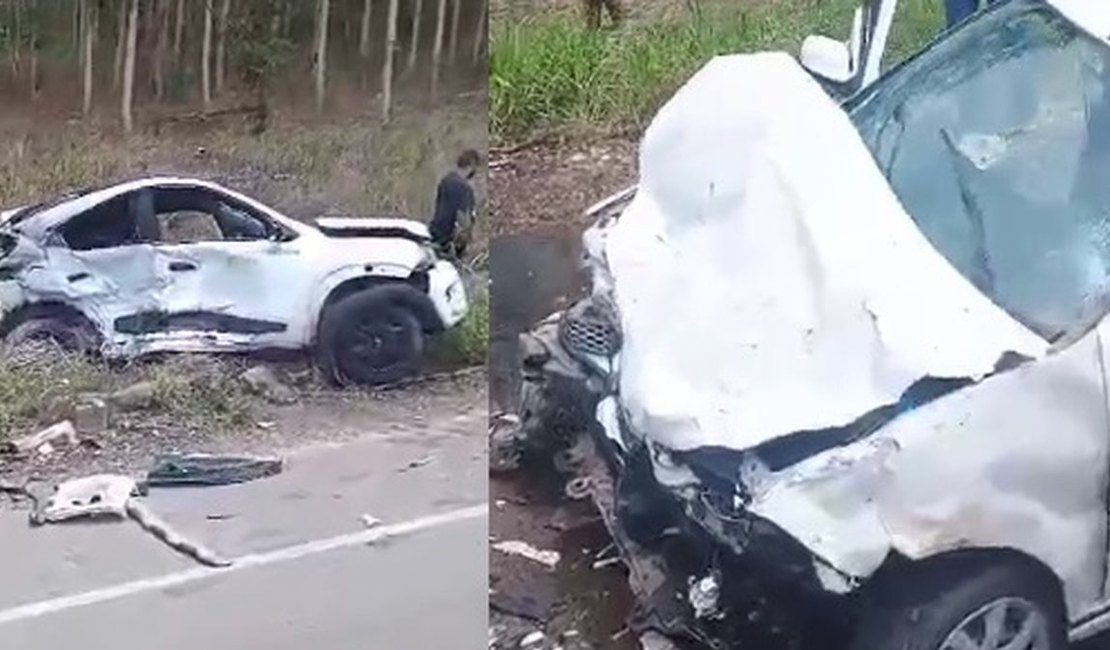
{"x": 184, "y": 265}
{"x": 859, "y": 351}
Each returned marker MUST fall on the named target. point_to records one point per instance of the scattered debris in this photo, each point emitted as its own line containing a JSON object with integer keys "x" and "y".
{"x": 219, "y": 516}
{"x": 535, "y": 638}
{"x": 607, "y": 562}
{"x": 90, "y": 415}
{"x": 703, "y": 596}
{"x": 101, "y": 495}
{"x": 370, "y": 521}
{"x": 63, "y": 430}
{"x": 264, "y": 381}
{"x": 135, "y": 397}
{"x": 524, "y": 549}
{"x": 504, "y": 442}
{"x": 154, "y": 525}
{"x": 209, "y": 469}
{"x": 419, "y": 462}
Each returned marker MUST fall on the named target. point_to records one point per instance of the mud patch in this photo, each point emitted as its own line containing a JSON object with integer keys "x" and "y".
{"x": 574, "y": 605}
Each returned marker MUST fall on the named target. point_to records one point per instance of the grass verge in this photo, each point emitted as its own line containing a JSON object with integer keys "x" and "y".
{"x": 549, "y": 72}
{"x": 40, "y": 388}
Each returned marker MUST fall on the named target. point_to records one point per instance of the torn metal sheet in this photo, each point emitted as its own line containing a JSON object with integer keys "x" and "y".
{"x": 92, "y": 496}
{"x": 751, "y": 171}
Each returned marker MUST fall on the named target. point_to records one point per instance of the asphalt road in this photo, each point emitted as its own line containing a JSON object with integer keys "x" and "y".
{"x": 307, "y": 573}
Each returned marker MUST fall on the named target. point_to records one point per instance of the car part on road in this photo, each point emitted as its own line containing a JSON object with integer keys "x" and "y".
{"x": 156, "y": 526}
{"x": 111, "y": 495}
{"x": 101, "y": 495}
{"x": 209, "y": 469}
{"x": 372, "y": 336}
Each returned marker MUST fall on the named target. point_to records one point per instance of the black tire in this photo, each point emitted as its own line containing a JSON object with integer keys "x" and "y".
{"x": 370, "y": 337}
{"x": 919, "y": 607}
{"x": 70, "y": 332}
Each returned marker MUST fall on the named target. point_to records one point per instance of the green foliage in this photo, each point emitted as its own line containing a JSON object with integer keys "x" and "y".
{"x": 550, "y": 71}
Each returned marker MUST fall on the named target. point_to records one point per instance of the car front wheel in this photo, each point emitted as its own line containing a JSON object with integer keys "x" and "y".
{"x": 370, "y": 337}
{"x": 966, "y": 604}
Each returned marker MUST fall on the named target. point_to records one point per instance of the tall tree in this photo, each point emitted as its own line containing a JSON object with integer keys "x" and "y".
{"x": 33, "y": 31}
{"x": 121, "y": 42}
{"x": 206, "y": 57}
{"x": 161, "y": 48}
{"x": 178, "y": 29}
{"x": 129, "y": 66}
{"x": 364, "y": 34}
{"x": 414, "y": 37}
{"x": 456, "y": 16}
{"x": 88, "y": 30}
{"x": 321, "y": 52}
{"x": 437, "y": 47}
{"x": 221, "y": 45}
{"x": 387, "y": 67}
{"x": 480, "y": 33}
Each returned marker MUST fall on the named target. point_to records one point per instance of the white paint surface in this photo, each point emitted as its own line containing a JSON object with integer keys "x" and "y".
{"x": 809, "y": 296}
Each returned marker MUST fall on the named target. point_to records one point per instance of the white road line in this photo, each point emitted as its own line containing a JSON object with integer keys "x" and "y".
{"x": 277, "y": 556}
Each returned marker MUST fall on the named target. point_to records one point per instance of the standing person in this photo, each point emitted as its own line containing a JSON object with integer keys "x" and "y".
{"x": 454, "y": 212}
{"x": 957, "y": 10}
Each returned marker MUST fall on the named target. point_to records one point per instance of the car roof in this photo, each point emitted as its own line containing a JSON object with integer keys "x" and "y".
{"x": 57, "y": 210}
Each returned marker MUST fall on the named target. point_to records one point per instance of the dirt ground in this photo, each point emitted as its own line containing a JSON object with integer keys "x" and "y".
{"x": 538, "y": 195}
{"x": 131, "y": 444}
{"x": 545, "y": 188}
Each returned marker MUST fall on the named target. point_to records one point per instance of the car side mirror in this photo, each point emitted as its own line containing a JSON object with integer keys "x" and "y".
{"x": 827, "y": 58}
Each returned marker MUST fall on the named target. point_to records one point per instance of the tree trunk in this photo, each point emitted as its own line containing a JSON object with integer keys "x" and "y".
{"x": 17, "y": 37}
{"x": 480, "y": 33}
{"x": 88, "y": 23}
{"x": 206, "y": 57}
{"x": 178, "y": 27}
{"x": 364, "y": 35}
{"x": 121, "y": 40}
{"x": 129, "y": 66}
{"x": 33, "y": 33}
{"x": 321, "y": 53}
{"x": 387, "y": 67}
{"x": 161, "y": 49}
{"x": 456, "y": 16}
{"x": 437, "y": 47}
{"x": 414, "y": 38}
{"x": 221, "y": 46}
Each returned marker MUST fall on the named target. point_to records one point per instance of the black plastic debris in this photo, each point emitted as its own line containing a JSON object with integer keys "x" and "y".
{"x": 209, "y": 469}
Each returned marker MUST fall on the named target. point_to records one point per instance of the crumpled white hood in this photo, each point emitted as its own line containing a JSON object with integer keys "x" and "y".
{"x": 769, "y": 280}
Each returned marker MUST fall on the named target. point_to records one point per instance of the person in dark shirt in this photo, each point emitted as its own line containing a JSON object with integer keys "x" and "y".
{"x": 454, "y": 212}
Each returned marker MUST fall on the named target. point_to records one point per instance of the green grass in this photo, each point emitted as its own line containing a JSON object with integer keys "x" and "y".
{"x": 39, "y": 387}
{"x": 550, "y": 72}
{"x": 467, "y": 344}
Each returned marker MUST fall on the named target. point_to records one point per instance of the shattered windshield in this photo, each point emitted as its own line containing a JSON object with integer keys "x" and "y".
{"x": 997, "y": 142}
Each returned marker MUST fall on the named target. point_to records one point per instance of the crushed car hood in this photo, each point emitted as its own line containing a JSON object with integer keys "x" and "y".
{"x": 768, "y": 279}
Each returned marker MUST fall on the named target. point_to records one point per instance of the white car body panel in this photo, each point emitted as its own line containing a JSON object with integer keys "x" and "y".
{"x": 276, "y": 288}
{"x": 848, "y": 305}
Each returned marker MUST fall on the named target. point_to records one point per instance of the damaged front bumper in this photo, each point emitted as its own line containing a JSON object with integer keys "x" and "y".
{"x": 702, "y": 568}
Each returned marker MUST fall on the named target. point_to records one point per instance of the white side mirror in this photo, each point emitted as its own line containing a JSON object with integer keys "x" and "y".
{"x": 827, "y": 58}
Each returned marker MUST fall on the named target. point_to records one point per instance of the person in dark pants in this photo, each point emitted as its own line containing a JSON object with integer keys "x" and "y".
{"x": 454, "y": 212}
{"x": 957, "y": 10}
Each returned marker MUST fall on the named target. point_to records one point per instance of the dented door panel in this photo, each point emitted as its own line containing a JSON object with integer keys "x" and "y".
{"x": 1017, "y": 461}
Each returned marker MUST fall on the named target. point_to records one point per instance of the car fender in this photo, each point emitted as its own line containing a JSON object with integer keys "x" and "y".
{"x": 368, "y": 273}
